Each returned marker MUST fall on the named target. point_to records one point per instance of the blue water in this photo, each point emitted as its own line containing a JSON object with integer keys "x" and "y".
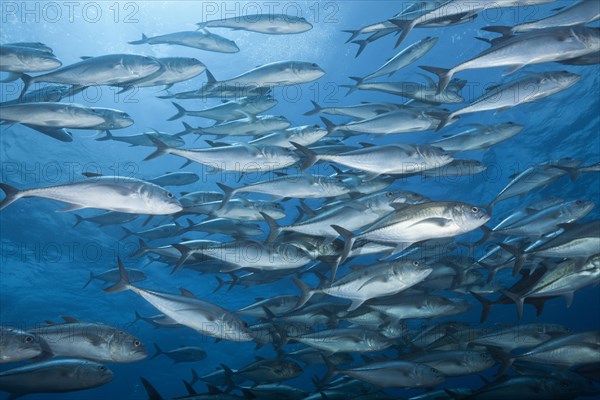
{"x": 45, "y": 261}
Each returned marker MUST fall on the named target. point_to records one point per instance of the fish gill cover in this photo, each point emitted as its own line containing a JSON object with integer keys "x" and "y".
{"x": 288, "y": 200}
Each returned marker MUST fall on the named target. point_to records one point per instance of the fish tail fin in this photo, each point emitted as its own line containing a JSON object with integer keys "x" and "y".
{"x": 79, "y": 219}
{"x": 150, "y": 390}
{"x": 519, "y": 257}
{"x": 229, "y": 192}
{"x": 353, "y": 88}
{"x": 328, "y": 125}
{"x": 505, "y": 31}
{"x": 27, "y": 80}
{"x": 161, "y": 148}
{"x": 123, "y": 283}
{"x": 518, "y": 300}
{"x": 349, "y": 239}
{"x": 12, "y": 194}
{"x": 331, "y": 372}
{"x": 92, "y": 277}
{"x": 186, "y": 252}
{"x": 353, "y": 34}
{"x": 274, "y": 227}
{"x": 220, "y": 285}
{"x": 108, "y": 136}
{"x": 126, "y": 234}
{"x": 187, "y": 129}
{"x": 137, "y": 318}
{"x": 317, "y": 108}
{"x": 157, "y": 353}
{"x": 307, "y": 292}
{"x": 143, "y": 247}
{"x": 143, "y": 40}
{"x": 443, "y": 74}
{"x": 406, "y": 27}
{"x": 195, "y": 377}
{"x": 311, "y": 156}
{"x": 485, "y": 304}
{"x": 361, "y": 46}
{"x": 181, "y": 112}
{"x": 230, "y": 384}
{"x": 211, "y": 80}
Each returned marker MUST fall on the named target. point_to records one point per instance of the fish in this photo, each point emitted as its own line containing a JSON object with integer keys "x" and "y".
{"x": 425, "y": 92}
{"x": 143, "y": 139}
{"x": 112, "y": 275}
{"x": 277, "y": 305}
{"x": 52, "y": 115}
{"x": 383, "y": 159}
{"x": 19, "y": 59}
{"x": 456, "y": 8}
{"x": 457, "y": 362}
{"x": 304, "y": 135}
{"x": 159, "y": 232}
{"x": 229, "y": 110}
{"x": 303, "y": 186}
{"x": 249, "y": 254}
{"x": 174, "y": 70}
{"x": 175, "y": 179}
{"x": 563, "y": 280}
{"x": 223, "y": 226}
{"x": 187, "y": 310}
{"x": 242, "y": 158}
{"x": 355, "y": 214}
{"x": 55, "y": 376}
{"x": 239, "y": 209}
{"x": 17, "y": 345}
{"x": 110, "y": 70}
{"x": 111, "y": 193}
{"x": 279, "y": 73}
{"x": 357, "y": 112}
{"x": 92, "y": 341}
{"x": 202, "y": 40}
{"x": 265, "y": 371}
{"x": 181, "y": 354}
{"x": 407, "y": 56}
{"x": 580, "y": 13}
{"x": 159, "y": 321}
{"x": 418, "y": 222}
{"x": 539, "y": 223}
{"x": 107, "y": 218}
{"x": 419, "y": 306}
{"x": 251, "y": 126}
{"x": 479, "y": 137}
{"x": 272, "y": 24}
{"x": 455, "y": 168}
{"x": 536, "y": 176}
{"x": 388, "y": 374}
{"x": 539, "y": 46}
{"x": 333, "y": 341}
{"x": 526, "y": 89}
{"x": 380, "y": 280}
{"x": 311, "y": 356}
{"x": 274, "y": 392}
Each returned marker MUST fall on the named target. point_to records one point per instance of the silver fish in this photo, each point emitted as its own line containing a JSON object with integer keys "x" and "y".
{"x": 231, "y": 110}
{"x": 479, "y": 137}
{"x": 106, "y": 192}
{"x": 272, "y": 24}
{"x": 202, "y": 40}
{"x": 18, "y": 345}
{"x": 181, "y": 354}
{"x": 56, "y": 376}
{"x": 190, "y": 311}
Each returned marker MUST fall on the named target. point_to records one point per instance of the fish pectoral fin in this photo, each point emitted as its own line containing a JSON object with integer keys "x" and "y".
{"x": 95, "y": 340}
{"x": 569, "y": 298}
{"x": 377, "y": 278}
{"x": 437, "y": 221}
{"x": 72, "y": 207}
{"x": 355, "y": 304}
{"x": 513, "y": 69}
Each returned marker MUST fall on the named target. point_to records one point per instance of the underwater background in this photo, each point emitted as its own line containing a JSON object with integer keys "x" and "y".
{"x": 45, "y": 260}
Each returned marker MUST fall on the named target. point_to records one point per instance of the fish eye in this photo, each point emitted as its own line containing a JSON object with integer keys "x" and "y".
{"x": 579, "y": 202}
{"x": 415, "y": 263}
{"x": 170, "y": 195}
{"x": 137, "y": 343}
{"x": 390, "y": 194}
{"x": 314, "y": 65}
{"x": 475, "y": 209}
{"x": 28, "y": 339}
{"x": 102, "y": 368}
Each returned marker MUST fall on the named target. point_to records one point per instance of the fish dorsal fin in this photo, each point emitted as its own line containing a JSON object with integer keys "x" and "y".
{"x": 366, "y": 145}
{"x": 187, "y": 293}
{"x": 259, "y": 358}
{"x": 91, "y": 174}
{"x": 190, "y": 388}
{"x": 69, "y": 320}
{"x": 259, "y": 299}
{"x": 85, "y": 57}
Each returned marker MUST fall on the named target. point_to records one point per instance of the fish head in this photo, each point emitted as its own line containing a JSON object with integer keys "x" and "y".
{"x": 480, "y": 359}
{"x": 274, "y": 210}
{"x": 578, "y": 208}
{"x": 159, "y": 200}
{"x": 113, "y": 119}
{"x": 412, "y": 270}
{"x": 235, "y": 329}
{"x": 184, "y": 64}
{"x": 589, "y": 36}
{"x": 91, "y": 374}
{"x": 507, "y": 129}
{"x": 124, "y": 347}
{"x": 141, "y": 66}
{"x": 425, "y": 375}
{"x": 562, "y": 79}
{"x": 468, "y": 217}
{"x": 433, "y": 156}
{"x": 18, "y": 345}
{"x": 47, "y": 62}
{"x": 308, "y": 71}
